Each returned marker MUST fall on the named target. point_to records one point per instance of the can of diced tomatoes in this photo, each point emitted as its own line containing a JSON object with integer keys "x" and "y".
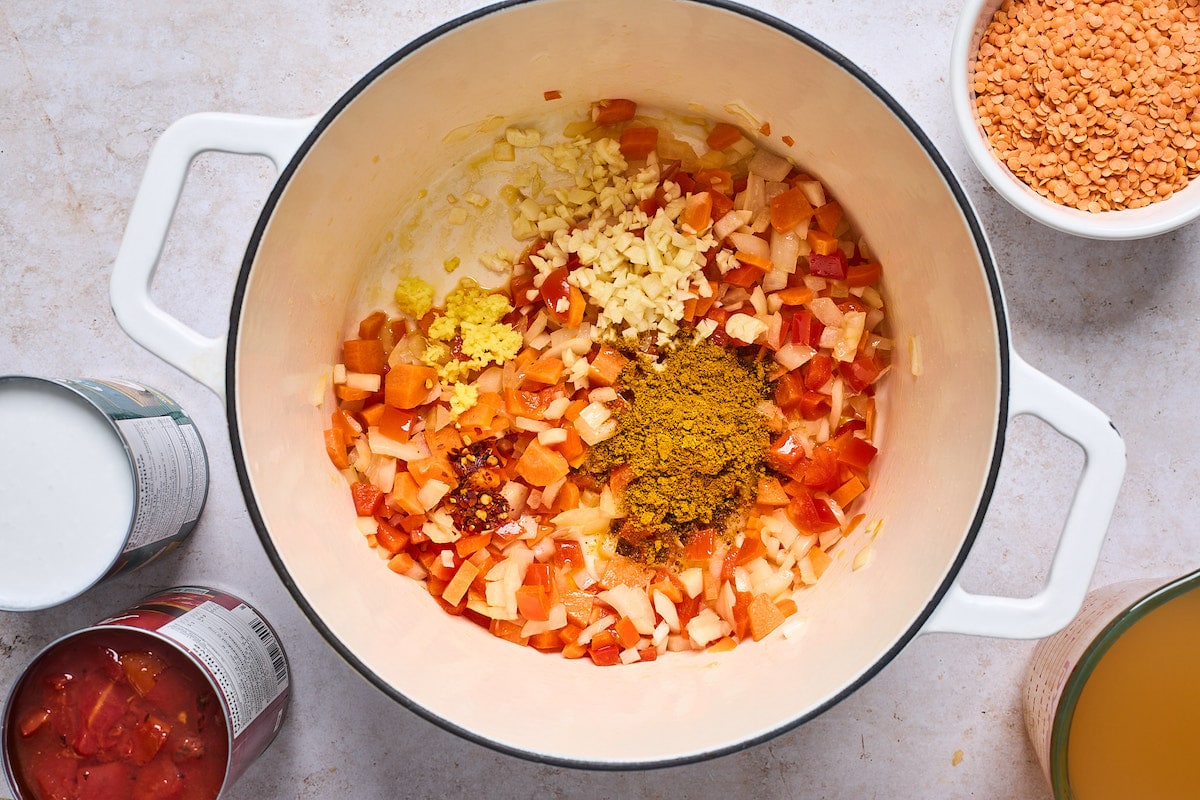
{"x": 97, "y": 477}
{"x": 172, "y": 699}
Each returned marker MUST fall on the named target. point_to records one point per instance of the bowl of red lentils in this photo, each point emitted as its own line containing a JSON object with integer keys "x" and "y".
{"x": 1084, "y": 115}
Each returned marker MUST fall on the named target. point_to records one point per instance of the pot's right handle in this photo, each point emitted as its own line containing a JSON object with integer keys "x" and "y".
{"x": 201, "y": 357}
{"x": 1083, "y": 533}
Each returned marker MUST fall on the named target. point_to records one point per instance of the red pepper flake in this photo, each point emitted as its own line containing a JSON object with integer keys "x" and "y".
{"x": 765, "y": 129}
{"x": 788, "y": 140}
{"x": 552, "y": 94}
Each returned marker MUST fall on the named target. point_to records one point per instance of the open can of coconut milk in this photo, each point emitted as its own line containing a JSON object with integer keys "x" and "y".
{"x": 174, "y": 697}
{"x": 97, "y": 477}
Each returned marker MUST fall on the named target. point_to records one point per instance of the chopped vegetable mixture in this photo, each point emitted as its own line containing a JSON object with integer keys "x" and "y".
{"x": 654, "y": 436}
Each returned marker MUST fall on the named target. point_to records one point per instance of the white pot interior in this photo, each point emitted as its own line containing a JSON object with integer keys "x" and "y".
{"x": 331, "y": 239}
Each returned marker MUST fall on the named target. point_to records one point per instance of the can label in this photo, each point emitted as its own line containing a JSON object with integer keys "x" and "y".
{"x": 169, "y": 462}
{"x": 237, "y": 648}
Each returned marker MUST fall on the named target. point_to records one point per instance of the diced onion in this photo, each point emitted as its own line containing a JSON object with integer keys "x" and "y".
{"x": 770, "y": 166}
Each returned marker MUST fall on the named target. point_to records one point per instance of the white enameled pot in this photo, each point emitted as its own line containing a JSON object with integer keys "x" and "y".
{"x": 346, "y": 176}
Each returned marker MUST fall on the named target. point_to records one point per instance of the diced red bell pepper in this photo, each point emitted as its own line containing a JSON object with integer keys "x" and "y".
{"x": 832, "y": 265}
{"x": 821, "y": 471}
{"x": 368, "y": 498}
{"x": 810, "y": 514}
{"x": 789, "y": 390}
{"x": 817, "y": 371}
{"x": 806, "y": 329}
{"x": 699, "y": 545}
{"x": 604, "y": 649}
{"x": 785, "y": 452}
{"x": 861, "y": 372}
{"x": 814, "y": 405}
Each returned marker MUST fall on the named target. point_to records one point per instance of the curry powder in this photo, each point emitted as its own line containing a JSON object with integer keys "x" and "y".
{"x": 694, "y": 442}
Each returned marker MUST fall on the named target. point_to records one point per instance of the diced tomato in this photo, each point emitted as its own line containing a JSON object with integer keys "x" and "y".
{"x": 750, "y": 549}
{"x": 539, "y": 465}
{"x": 687, "y": 608}
{"x": 626, "y": 632}
{"x": 149, "y": 735}
{"x": 828, "y": 265}
{"x": 106, "y": 781}
{"x": 697, "y": 213}
{"x": 397, "y": 423}
{"x": 568, "y": 553}
{"x": 821, "y": 242}
{"x": 141, "y": 670}
{"x": 745, "y": 276}
{"x": 390, "y": 537}
{"x": 770, "y": 492}
{"x": 556, "y": 293}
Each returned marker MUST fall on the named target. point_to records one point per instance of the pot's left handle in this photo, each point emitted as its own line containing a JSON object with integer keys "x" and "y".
{"x": 201, "y": 357}
{"x": 1078, "y": 551}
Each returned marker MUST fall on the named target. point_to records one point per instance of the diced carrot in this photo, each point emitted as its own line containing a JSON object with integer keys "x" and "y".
{"x": 789, "y": 209}
{"x": 764, "y": 615}
{"x": 627, "y": 633}
{"x": 697, "y": 213}
{"x": 368, "y": 498}
{"x": 483, "y": 413}
{"x": 795, "y": 295}
{"x": 407, "y": 385}
{"x": 350, "y": 394}
{"x": 619, "y": 477}
{"x": 579, "y": 606}
{"x": 404, "y": 493}
{"x": 770, "y": 492}
{"x": 751, "y": 260}
{"x": 606, "y": 366}
{"x": 744, "y": 276}
{"x": 371, "y": 325}
{"x": 433, "y": 467}
{"x": 546, "y": 641}
{"x": 544, "y": 371}
{"x": 741, "y": 615}
{"x": 862, "y": 274}
{"x": 787, "y": 605}
{"x": 574, "y": 650}
{"x": 508, "y": 630}
{"x": 637, "y": 142}
{"x": 572, "y": 412}
{"x": 608, "y": 112}
{"x": 822, "y": 243}
{"x": 723, "y": 135}
{"x": 829, "y": 216}
{"x": 373, "y": 414}
{"x": 466, "y": 545}
{"x": 401, "y": 563}
{"x": 397, "y": 423}
{"x": 670, "y": 589}
{"x": 346, "y": 423}
{"x": 541, "y": 466}
{"x": 444, "y": 441}
{"x": 567, "y": 498}
{"x": 703, "y": 304}
{"x": 364, "y": 355}
{"x": 622, "y": 570}
{"x": 335, "y": 446}
{"x": 604, "y": 649}
{"x": 848, "y": 491}
{"x": 722, "y": 645}
{"x": 457, "y": 588}
{"x": 573, "y": 449}
{"x": 689, "y": 309}
{"x": 576, "y": 307}
{"x": 569, "y": 633}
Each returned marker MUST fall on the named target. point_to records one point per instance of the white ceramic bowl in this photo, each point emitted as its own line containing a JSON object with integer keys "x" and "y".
{"x": 1135, "y": 223}
{"x": 344, "y": 180}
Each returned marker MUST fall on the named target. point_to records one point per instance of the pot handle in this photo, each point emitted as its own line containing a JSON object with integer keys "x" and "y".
{"x": 201, "y": 357}
{"x": 1078, "y": 550}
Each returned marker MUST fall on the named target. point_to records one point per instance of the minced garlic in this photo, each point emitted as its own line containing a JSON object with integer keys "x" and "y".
{"x": 472, "y": 313}
{"x": 414, "y": 296}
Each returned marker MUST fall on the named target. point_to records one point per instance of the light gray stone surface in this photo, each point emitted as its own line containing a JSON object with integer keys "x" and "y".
{"x": 86, "y": 88}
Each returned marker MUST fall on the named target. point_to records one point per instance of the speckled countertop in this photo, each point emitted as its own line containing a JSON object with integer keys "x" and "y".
{"x": 85, "y": 89}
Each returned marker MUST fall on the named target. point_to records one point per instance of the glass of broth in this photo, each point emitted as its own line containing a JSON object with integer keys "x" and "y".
{"x": 1112, "y": 703}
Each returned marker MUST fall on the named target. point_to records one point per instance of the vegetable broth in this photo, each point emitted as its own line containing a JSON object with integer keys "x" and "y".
{"x": 1133, "y": 733}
